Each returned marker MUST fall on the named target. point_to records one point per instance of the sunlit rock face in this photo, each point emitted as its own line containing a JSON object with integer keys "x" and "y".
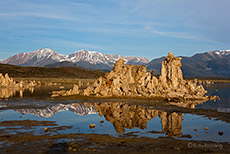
{"x": 6, "y": 81}
{"x": 134, "y": 81}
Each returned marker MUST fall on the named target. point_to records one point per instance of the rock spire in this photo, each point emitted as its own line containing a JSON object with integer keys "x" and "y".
{"x": 135, "y": 81}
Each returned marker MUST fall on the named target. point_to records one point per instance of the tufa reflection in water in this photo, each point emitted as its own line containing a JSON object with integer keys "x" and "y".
{"x": 10, "y": 92}
{"x": 123, "y": 115}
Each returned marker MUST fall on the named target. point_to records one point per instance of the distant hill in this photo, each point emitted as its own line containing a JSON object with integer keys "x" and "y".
{"x": 62, "y": 64}
{"x": 82, "y": 64}
{"x": 44, "y": 72}
{"x": 203, "y": 65}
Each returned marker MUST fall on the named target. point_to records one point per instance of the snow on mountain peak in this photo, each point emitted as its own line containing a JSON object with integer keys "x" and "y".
{"x": 221, "y": 52}
{"x": 46, "y": 56}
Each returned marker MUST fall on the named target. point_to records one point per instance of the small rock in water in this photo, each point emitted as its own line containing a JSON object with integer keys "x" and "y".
{"x": 197, "y": 135}
{"x": 46, "y": 129}
{"x": 206, "y": 131}
{"x": 195, "y": 129}
{"x": 101, "y": 121}
{"x": 61, "y": 87}
{"x": 209, "y": 118}
{"x": 206, "y": 128}
{"x": 220, "y": 133}
{"x": 177, "y": 148}
{"x": 92, "y": 126}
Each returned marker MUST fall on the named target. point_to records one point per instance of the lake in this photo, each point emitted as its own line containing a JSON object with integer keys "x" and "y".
{"x": 119, "y": 119}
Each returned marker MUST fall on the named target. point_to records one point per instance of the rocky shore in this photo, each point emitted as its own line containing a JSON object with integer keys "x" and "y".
{"x": 7, "y": 82}
{"x": 8, "y": 86}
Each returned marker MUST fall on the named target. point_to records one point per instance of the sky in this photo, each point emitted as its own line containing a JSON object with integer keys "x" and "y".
{"x": 145, "y": 28}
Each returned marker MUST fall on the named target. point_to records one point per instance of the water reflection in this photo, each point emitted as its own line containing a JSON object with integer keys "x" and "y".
{"x": 121, "y": 115}
{"x": 187, "y": 104}
{"x": 10, "y": 92}
{"x": 42, "y": 91}
{"x": 77, "y": 108}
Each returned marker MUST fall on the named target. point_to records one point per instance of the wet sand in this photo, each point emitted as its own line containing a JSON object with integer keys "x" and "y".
{"x": 94, "y": 143}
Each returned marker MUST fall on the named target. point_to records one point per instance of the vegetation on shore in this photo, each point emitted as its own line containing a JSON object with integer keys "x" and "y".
{"x": 43, "y": 72}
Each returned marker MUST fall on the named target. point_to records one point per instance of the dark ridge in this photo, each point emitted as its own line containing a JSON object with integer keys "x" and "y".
{"x": 44, "y": 72}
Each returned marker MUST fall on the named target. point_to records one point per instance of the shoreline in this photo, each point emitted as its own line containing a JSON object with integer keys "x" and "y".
{"x": 88, "y": 143}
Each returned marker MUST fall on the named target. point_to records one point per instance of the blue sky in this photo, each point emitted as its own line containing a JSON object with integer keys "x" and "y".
{"x": 148, "y": 28}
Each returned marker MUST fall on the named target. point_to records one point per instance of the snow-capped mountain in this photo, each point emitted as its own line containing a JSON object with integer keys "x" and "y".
{"x": 40, "y": 57}
{"x": 219, "y": 53}
{"x": 43, "y": 57}
{"x": 93, "y": 57}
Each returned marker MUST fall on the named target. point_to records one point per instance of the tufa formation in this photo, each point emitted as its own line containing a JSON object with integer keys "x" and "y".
{"x": 74, "y": 91}
{"x": 135, "y": 81}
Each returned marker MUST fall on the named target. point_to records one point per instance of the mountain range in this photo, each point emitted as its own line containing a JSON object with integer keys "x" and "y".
{"x": 207, "y": 64}
{"x": 82, "y": 58}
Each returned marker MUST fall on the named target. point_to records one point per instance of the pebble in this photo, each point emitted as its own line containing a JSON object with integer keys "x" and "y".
{"x": 101, "y": 121}
{"x": 92, "y": 126}
{"x": 197, "y": 135}
{"x": 177, "y": 148}
{"x": 46, "y": 129}
{"x": 195, "y": 129}
{"x": 206, "y": 128}
{"x": 209, "y": 118}
{"x": 220, "y": 133}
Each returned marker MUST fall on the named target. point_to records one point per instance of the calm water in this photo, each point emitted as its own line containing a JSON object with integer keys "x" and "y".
{"x": 119, "y": 118}
{"x": 223, "y": 91}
